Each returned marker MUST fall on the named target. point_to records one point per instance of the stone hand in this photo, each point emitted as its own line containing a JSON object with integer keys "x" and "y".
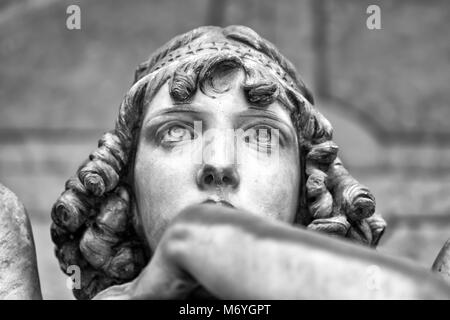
{"x": 237, "y": 255}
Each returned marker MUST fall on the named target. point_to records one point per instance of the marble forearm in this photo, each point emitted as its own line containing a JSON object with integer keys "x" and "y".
{"x": 236, "y": 255}
{"x": 18, "y": 268}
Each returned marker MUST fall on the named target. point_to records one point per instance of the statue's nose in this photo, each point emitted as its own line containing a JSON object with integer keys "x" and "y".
{"x": 210, "y": 176}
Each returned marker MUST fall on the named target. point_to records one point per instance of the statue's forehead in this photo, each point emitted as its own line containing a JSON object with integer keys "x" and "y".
{"x": 227, "y": 103}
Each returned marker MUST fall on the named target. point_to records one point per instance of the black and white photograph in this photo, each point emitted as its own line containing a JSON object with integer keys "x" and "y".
{"x": 207, "y": 150}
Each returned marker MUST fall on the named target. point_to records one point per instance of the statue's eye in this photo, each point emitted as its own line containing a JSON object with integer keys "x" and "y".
{"x": 177, "y": 133}
{"x": 262, "y": 137}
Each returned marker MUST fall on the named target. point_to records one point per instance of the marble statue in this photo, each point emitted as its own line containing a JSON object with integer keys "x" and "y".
{"x": 220, "y": 180}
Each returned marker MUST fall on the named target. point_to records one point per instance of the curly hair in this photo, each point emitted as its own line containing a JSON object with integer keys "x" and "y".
{"x": 94, "y": 226}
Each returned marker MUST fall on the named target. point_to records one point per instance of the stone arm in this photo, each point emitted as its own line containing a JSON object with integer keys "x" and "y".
{"x": 237, "y": 255}
{"x": 18, "y": 268}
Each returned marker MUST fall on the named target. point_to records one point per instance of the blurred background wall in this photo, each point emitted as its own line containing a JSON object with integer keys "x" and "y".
{"x": 385, "y": 91}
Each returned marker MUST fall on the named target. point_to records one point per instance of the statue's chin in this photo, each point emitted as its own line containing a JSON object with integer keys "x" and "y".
{"x": 201, "y": 294}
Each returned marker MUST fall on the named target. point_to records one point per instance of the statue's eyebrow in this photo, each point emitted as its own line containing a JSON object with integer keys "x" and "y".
{"x": 261, "y": 110}
{"x": 256, "y": 111}
{"x": 177, "y": 108}
{"x": 181, "y": 108}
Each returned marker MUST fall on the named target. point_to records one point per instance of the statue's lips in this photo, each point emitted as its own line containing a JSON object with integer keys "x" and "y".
{"x": 219, "y": 202}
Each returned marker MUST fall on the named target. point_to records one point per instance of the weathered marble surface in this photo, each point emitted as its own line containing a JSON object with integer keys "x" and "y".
{"x": 18, "y": 269}
{"x": 442, "y": 263}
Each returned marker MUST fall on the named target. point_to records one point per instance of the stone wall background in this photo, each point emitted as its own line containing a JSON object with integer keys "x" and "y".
{"x": 385, "y": 91}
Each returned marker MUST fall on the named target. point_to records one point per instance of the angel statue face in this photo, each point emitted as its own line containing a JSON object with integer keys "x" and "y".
{"x": 230, "y": 160}
{"x": 217, "y": 115}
